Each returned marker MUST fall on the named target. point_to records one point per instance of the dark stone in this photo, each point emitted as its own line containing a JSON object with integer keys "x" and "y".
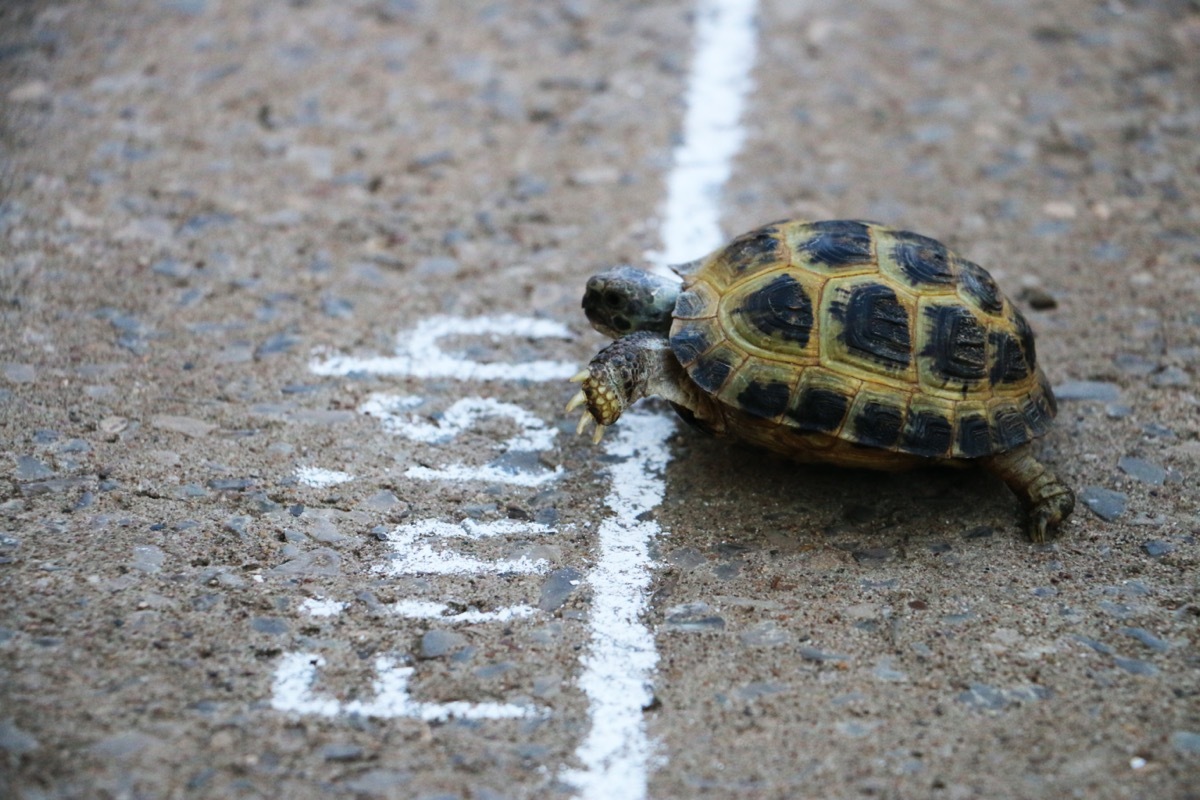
{"x": 1143, "y": 471}
{"x": 1135, "y": 666}
{"x": 1104, "y": 503}
{"x": 1148, "y": 639}
{"x": 1099, "y": 391}
{"x": 272, "y": 626}
{"x": 437, "y": 643}
{"x": 1156, "y": 549}
{"x": 820, "y": 656}
{"x": 557, "y": 587}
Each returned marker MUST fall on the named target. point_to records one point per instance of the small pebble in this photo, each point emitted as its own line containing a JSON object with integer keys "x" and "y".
{"x": 272, "y": 626}
{"x": 1186, "y": 742}
{"x": 440, "y": 266}
{"x": 1158, "y": 431}
{"x": 686, "y": 558}
{"x": 692, "y": 618}
{"x": 1143, "y": 471}
{"x": 1135, "y": 666}
{"x": 765, "y": 634}
{"x": 885, "y": 672}
{"x": 874, "y": 556}
{"x": 1171, "y": 377}
{"x": 1039, "y": 299}
{"x": 338, "y": 751}
{"x": 14, "y": 740}
{"x": 1156, "y": 548}
{"x": 1104, "y": 503}
{"x": 188, "y": 426}
{"x": 981, "y": 532}
{"x": 322, "y": 561}
{"x": 147, "y": 558}
{"x": 558, "y": 586}
{"x": 19, "y": 373}
{"x": 375, "y": 783}
{"x": 1133, "y": 364}
{"x": 336, "y": 307}
{"x": 171, "y": 268}
{"x": 437, "y": 643}
{"x": 1100, "y": 391}
{"x": 279, "y": 343}
{"x": 1147, "y": 638}
{"x": 820, "y": 656}
{"x": 1099, "y": 647}
{"x": 1118, "y": 411}
{"x": 31, "y": 469}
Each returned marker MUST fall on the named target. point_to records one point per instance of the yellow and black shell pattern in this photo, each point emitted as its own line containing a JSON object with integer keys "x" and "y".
{"x": 880, "y": 337}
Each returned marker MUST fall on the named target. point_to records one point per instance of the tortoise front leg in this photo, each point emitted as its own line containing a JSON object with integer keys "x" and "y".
{"x": 636, "y": 366}
{"x": 1047, "y": 500}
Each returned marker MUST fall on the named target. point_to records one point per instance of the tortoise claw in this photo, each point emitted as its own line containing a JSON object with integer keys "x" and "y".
{"x": 598, "y": 433}
{"x": 579, "y": 399}
{"x": 580, "y": 376}
{"x": 584, "y": 421}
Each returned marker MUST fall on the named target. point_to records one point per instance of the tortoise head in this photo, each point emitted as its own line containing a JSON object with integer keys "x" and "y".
{"x": 623, "y": 300}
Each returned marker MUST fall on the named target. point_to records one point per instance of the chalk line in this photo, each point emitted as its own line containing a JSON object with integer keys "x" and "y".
{"x": 320, "y": 478}
{"x": 712, "y": 130}
{"x": 296, "y": 674}
{"x": 419, "y": 352}
{"x": 413, "y": 556}
{"x": 621, "y": 656}
{"x": 616, "y": 754}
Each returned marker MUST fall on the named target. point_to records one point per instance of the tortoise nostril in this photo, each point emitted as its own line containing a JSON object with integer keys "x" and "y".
{"x": 612, "y": 299}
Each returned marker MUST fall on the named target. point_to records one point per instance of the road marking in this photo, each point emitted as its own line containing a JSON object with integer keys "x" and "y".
{"x": 389, "y": 408}
{"x": 320, "y": 478}
{"x": 425, "y": 609}
{"x": 712, "y": 130}
{"x": 621, "y": 658}
{"x": 419, "y": 352}
{"x": 296, "y": 673}
{"x": 322, "y": 607}
{"x": 619, "y": 666}
{"x": 413, "y": 556}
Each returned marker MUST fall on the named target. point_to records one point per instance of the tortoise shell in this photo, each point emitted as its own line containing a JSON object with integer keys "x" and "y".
{"x": 879, "y": 337}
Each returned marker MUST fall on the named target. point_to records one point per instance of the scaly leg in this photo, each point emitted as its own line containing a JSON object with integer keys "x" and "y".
{"x": 1047, "y": 500}
{"x": 636, "y": 366}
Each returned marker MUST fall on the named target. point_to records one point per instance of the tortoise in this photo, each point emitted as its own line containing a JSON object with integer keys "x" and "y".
{"x": 844, "y": 342}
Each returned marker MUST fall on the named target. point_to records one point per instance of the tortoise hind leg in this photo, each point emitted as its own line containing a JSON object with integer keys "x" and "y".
{"x": 1047, "y": 500}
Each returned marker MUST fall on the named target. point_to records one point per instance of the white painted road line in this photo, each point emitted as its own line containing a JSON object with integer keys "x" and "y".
{"x": 419, "y": 353}
{"x": 726, "y": 41}
{"x": 620, "y": 662}
{"x": 320, "y": 478}
{"x": 296, "y": 674}
{"x": 618, "y": 669}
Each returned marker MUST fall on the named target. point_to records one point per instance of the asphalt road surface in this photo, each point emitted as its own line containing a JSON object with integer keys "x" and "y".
{"x": 289, "y": 294}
